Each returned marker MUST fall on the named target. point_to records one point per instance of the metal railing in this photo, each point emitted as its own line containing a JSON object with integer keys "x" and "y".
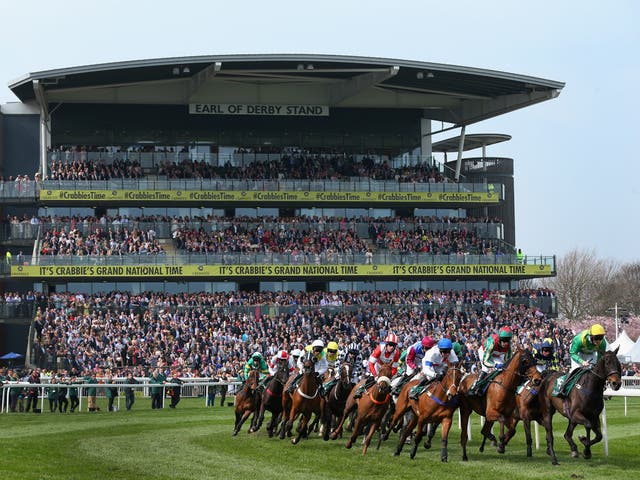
{"x": 27, "y": 231}
{"x": 379, "y": 258}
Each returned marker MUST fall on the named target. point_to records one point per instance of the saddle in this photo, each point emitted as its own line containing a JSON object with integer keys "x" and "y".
{"x": 480, "y": 386}
{"x": 564, "y": 383}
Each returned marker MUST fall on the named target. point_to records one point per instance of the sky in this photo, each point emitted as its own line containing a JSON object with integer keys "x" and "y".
{"x": 577, "y": 180}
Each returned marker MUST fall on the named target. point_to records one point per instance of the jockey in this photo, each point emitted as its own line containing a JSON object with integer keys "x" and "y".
{"x": 354, "y": 357}
{"x": 296, "y": 353}
{"x": 332, "y": 354}
{"x": 386, "y": 353}
{"x": 497, "y": 351}
{"x": 587, "y": 347}
{"x": 413, "y": 359}
{"x": 256, "y": 362}
{"x": 434, "y": 364}
{"x": 280, "y": 358}
{"x": 316, "y": 351}
{"x": 545, "y": 356}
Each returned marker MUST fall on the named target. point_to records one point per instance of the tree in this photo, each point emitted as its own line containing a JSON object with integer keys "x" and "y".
{"x": 583, "y": 284}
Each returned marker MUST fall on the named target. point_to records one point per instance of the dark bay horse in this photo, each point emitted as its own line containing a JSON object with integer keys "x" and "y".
{"x": 336, "y": 398}
{"x": 247, "y": 400}
{"x": 304, "y": 401}
{"x": 583, "y": 404}
{"x": 499, "y": 401}
{"x": 435, "y": 405}
{"x": 371, "y": 408}
{"x": 272, "y": 400}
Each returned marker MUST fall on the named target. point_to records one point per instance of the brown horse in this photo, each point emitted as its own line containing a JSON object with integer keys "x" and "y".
{"x": 247, "y": 400}
{"x": 352, "y": 403}
{"x": 304, "y": 401}
{"x": 336, "y": 398}
{"x": 371, "y": 408}
{"x": 435, "y": 405}
{"x": 272, "y": 400}
{"x": 499, "y": 402}
{"x": 583, "y": 404}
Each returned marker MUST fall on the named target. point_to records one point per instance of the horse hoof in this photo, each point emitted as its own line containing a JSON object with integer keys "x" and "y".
{"x": 500, "y": 449}
{"x": 574, "y": 454}
{"x": 465, "y": 458}
{"x": 396, "y": 454}
{"x": 294, "y": 440}
{"x": 427, "y": 445}
{"x": 347, "y": 445}
{"x": 444, "y": 459}
{"x": 481, "y": 449}
{"x": 234, "y": 433}
{"x": 586, "y": 455}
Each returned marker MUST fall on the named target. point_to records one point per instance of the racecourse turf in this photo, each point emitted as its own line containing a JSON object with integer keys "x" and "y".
{"x": 194, "y": 442}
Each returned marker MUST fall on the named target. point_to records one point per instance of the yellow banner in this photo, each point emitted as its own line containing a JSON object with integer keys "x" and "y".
{"x": 230, "y": 196}
{"x": 303, "y": 271}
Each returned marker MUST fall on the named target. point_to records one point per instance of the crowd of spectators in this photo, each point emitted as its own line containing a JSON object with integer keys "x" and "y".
{"x": 88, "y": 170}
{"x": 205, "y": 332}
{"x": 239, "y": 239}
{"x": 101, "y": 242}
{"x": 303, "y": 167}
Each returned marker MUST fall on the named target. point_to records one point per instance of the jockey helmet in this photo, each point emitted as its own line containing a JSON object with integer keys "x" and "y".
{"x": 547, "y": 343}
{"x": 596, "y": 330}
{"x": 427, "y": 342}
{"x": 391, "y": 338}
{"x": 282, "y": 355}
{"x": 332, "y": 347}
{"x": 256, "y": 355}
{"x": 317, "y": 344}
{"x": 296, "y": 352}
{"x": 445, "y": 344}
{"x": 505, "y": 332}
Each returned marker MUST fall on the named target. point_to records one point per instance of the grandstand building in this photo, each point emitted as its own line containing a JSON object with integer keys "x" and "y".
{"x": 331, "y": 155}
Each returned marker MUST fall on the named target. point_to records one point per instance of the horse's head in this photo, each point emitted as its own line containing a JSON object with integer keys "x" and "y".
{"x": 384, "y": 384}
{"x": 282, "y": 374}
{"x": 345, "y": 373}
{"x": 451, "y": 381}
{"x": 308, "y": 365}
{"x": 385, "y": 371}
{"x": 527, "y": 366}
{"x": 611, "y": 368}
{"x": 253, "y": 379}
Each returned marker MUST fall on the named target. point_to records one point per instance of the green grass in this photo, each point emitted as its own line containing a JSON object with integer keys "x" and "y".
{"x": 195, "y": 442}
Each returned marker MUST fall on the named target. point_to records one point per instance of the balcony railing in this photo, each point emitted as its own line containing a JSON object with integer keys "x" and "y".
{"x": 384, "y": 258}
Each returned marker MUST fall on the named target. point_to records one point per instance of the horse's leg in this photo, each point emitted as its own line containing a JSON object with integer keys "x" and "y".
{"x": 373, "y": 426}
{"x": 526, "y": 424}
{"x": 243, "y": 418}
{"x": 356, "y": 431}
{"x": 302, "y": 427}
{"x": 465, "y": 413}
{"x": 406, "y": 431}
{"x": 431, "y": 431}
{"x": 568, "y": 436}
{"x": 503, "y": 435}
{"x": 385, "y": 426}
{"x": 418, "y": 437}
{"x": 486, "y": 433}
{"x": 347, "y": 410}
{"x": 258, "y": 419}
{"x": 547, "y": 423}
{"x": 446, "y": 426}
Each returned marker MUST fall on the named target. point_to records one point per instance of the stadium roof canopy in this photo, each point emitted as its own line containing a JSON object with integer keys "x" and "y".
{"x": 449, "y": 93}
{"x": 471, "y": 142}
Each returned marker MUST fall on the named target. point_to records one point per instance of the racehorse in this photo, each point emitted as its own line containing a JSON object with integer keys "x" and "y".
{"x": 435, "y": 405}
{"x": 352, "y": 403}
{"x": 336, "y": 398}
{"x": 304, "y": 401}
{"x": 582, "y": 405}
{"x": 371, "y": 408}
{"x": 247, "y": 400}
{"x": 272, "y": 401}
{"x": 498, "y": 403}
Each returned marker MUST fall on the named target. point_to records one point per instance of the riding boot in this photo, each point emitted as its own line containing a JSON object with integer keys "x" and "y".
{"x": 292, "y": 386}
{"x": 474, "y": 388}
{"x": 418, "y": 389}
{"x": 369, "y": 382}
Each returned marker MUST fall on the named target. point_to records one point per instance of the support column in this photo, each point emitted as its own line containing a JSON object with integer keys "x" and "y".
{"x": 460, "y": 150}
{"x": 45, "y": 130}
{"x": 425, "y": 140}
